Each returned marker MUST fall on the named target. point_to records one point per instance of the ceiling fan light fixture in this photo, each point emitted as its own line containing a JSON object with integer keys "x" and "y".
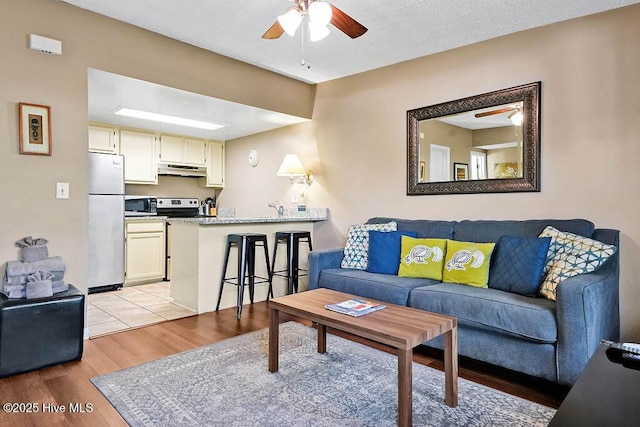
{"x": 290, "y": 21}
{"x": 516, "y": 117}
{"x": 320, "y": 13}
{"x": 317, "y": 31}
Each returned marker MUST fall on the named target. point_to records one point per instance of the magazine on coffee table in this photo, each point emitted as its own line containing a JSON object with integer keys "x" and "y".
{"x": 355, "y": 307}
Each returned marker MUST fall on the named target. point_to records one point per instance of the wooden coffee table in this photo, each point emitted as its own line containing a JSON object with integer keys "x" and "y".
{"x": 400, "y": 327}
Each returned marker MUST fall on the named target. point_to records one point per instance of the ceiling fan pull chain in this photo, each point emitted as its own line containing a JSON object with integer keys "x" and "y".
{"x": 307, "y": 35}
{"x": 306, "y": 45}
{"x": 302, "y": 47}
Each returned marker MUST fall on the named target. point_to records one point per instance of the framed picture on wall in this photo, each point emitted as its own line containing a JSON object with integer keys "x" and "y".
{"x": 35, "y": 129}
{"x": 461, "y": 171}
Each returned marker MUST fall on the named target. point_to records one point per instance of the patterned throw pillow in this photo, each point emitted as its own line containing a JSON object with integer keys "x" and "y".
{"x": 422, "y": 258}
{"x": 467, "y": 263}
{"x": 356, "y": 250}
{"x": 384, "y": 250}
{"x": 518, "y": 264}
{"x": 569, "y": 255}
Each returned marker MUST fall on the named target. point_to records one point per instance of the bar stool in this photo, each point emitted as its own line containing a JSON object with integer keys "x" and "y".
{"x": 246, "y": 244}
{"x": 292, "y": 273}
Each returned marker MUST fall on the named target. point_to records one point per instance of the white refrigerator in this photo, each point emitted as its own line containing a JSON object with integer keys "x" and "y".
{"x": 106, "y": 222}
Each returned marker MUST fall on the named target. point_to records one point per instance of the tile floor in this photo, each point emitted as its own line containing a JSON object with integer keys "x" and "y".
{"x": 131, "y": 307}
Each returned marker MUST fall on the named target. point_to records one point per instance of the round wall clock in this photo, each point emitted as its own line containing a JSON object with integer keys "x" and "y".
{"x": 253, "y": 158}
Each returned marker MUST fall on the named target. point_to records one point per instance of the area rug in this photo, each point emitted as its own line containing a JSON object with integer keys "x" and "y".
{"x": 228, "y": 384}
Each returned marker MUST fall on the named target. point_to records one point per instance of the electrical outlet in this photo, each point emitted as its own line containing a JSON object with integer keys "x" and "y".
{"x": 294, "y": 198}
{"x": 62, "y": 190}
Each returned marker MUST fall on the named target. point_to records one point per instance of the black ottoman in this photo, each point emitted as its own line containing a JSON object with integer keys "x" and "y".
{"x": 40, "y": 332}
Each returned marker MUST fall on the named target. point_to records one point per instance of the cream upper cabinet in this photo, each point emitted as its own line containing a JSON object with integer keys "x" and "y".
{"x": 195, "y": 152}
{"x": 140, "y": 159}
{"x": 215, "y": 165}
{"x": 179, "y": 150}
{"x": 103, "y": 139}
{"x": 171, "y": 149}
{"x": 145, "y": 251}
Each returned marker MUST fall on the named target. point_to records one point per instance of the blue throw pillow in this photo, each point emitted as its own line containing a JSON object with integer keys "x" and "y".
{"x": 384, "y": 251}
{"x": 518, "y": 264}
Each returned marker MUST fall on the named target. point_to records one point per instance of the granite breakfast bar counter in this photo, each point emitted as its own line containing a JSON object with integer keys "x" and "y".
{"x": 197, "y": 255}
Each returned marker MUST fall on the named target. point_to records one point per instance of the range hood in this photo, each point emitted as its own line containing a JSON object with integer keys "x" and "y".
{"x": 181, "y": 170}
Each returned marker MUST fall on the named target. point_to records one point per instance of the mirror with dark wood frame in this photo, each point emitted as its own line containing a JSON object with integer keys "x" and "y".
{"x": 488, "y": 143}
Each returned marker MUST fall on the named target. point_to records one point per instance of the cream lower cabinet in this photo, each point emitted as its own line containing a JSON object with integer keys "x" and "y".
{"x": 144, "y": 251}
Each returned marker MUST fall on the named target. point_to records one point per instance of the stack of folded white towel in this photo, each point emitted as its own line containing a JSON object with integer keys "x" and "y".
{"x": 37, "y": 275}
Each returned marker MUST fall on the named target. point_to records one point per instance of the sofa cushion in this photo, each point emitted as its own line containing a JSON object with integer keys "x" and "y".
{"x": 422, "y": 258}
{"x": 491, "y": 309}
{"x": 467, "y": 263}
{"x": 424, "y": 227}
{"x": 383, "y": 287}
{"x": 518, "y": 264}
{"x": 491, "y": 231}
{"x": 356, "y": 250}
{"x": 570, "y": 255}
{"x": 384, "y": 251}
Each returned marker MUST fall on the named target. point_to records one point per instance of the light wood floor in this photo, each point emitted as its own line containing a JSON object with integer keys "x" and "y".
{"x": 69, "y": 383}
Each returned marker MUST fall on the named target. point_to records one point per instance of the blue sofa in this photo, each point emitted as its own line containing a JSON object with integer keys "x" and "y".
{"x": 536, "y": 336}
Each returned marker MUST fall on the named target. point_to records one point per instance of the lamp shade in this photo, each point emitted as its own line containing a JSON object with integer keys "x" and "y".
{"x": 291, "y": 166}
{"x": 320, "y": 13}
{"x": 517, "y": 118}
{"x": 290, "y": 21}
{"x": 317, "y": 32}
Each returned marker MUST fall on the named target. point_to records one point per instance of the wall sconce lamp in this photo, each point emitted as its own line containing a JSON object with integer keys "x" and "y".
{"x": 291, "y": 166}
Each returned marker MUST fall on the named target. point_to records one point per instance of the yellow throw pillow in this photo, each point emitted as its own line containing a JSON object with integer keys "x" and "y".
{"x": 467, "y": 263}
{"x": 422, "y": 257}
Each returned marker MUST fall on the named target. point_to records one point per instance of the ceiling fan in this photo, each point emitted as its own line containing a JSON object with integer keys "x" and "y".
{"x": 319, "y": 14}
{"x": 515, "y": 116}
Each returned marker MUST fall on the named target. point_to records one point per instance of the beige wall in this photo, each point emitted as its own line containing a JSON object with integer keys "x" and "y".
{"x": 499, "y": 135}
{"x": 173, "y": 186}
{"x": 589, "y": 70}
{"x": 458, "y": 139}
{"x": 356, "y": 143}
{"x": 90, "y": 40}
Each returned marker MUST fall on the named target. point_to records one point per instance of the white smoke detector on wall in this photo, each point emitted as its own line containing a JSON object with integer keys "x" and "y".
{"x": 45, "y": 44}
{"x": 253, "y": 158}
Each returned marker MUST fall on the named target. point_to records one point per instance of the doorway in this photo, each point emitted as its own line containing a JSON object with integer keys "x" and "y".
{"x": 478, "y": 165}
{"x": 439, "y": 158}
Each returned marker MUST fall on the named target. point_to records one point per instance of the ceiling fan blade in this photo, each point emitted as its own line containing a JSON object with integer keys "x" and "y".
{"x": 490, "y": 113}
{"x": 346, "y": 24}
{"x": 274, "y": 32}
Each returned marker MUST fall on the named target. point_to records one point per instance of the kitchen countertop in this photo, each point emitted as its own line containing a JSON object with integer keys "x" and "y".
{"x": 145, "y": 218}
{"x": 315, "y": 214}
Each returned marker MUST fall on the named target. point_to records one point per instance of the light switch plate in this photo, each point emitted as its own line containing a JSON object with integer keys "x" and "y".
{"x": 62, "y": 190}
{"x": 294, "y": 198}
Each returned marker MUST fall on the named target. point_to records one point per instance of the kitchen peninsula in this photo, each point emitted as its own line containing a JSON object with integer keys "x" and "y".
{"x": 197, "y": 254}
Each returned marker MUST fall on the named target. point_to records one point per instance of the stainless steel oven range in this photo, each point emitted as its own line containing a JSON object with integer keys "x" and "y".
{"x": 178, "y": 207}
{"x": 175, "y": 207}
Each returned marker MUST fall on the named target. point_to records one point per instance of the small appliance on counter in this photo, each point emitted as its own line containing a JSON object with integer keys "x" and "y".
{"x": 140, "y": 205}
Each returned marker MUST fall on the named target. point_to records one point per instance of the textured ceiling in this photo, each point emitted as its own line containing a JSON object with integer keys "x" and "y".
{"x": 399, "y": 30}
